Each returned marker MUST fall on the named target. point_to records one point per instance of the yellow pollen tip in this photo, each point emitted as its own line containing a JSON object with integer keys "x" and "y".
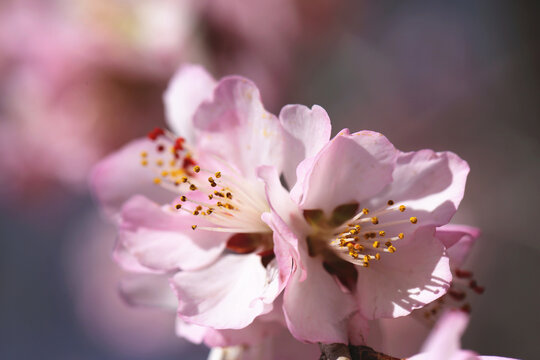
{"x": 144, "y": 162}
{"x": 354, "y": 254}
{"x": 402, "y": 208}
{"x": 401, "y": 235}
{"x": 353, "y": 231}
{"x": 366, "y": 259}
{"x": 172, "y": 162}
{"x": 378, "y": 256}
{"x": 193, "y": 227}
{"x": 229, "y": 196}
{"x": 218, "y": 174}
{"x": 198, "y": 208}
{"x": 197, "y": 168}
{"x": 178, "y": 206}
{"x": 388, "y": 243}
{"x": 376, "y": 244}
{"x": 358, "y": 247}
{"x": 196, "y": 212}
{"x": 184, "y": 179}
{"x": 414, "y": 220}
{"x": 192, "y": 187}
{"x": 391, "y": 249}
{"x": 144, "y": 154}
{"x": 164, "y": 173}
{"x": 365, "y": 264}
{"x": 157, "y": 181}
{"x": 365, "y": 211}
{"x": 210, "y": 179}
{"x": 390, "y": 202}
{"x": 210, "y": 196}
{"x": 375, "y": 220}
{"x": 176, "y": 183}
{"x": 382, "y": 233}
{"x": 159, "y": 162}
{"x": 183, "y": 198}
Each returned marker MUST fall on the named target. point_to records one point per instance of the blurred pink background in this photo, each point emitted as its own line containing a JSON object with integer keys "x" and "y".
{"x": 78, "y": 78}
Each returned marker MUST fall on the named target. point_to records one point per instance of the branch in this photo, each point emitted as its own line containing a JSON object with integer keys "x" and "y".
{"x": 344, "y": 352}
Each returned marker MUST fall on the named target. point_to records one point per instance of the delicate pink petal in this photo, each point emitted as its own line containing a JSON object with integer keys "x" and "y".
{"x": 194, "y": 333}
{"x": 358, "y": 330}
{"x": 162, "y": 239}
{"x": 316, "y": 309}
{"x": 350, "y": 168}
{"x": 227, "y": 295}
{"x": 235, "y": 126}
{"x": 445, "y": 338}
{"x": 148, "y": 291}
{"x": 430, "y": 184}
{"x": 458, "y": 239}
{"x": 306, "y": 132}
{"x": 190, "y": 86}
{"x": 120, "y": 176}
{"x": 415, "y": 275}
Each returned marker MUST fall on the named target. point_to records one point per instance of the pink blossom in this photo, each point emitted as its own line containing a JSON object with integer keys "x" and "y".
{"x": 404, "y": 336}
{"x": 444, "y": 342}
{"x": 364, "y": 241}
{"x": 180, "y": 202}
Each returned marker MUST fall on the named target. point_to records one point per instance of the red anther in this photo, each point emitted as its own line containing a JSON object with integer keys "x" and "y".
{"x": 179, "y": 144}
{"x": 456, "y": 294}
{"x": 466, "y": 308}
{"x": 160, "y": 148}
{"x": 154, "y": 134}
{"x": 477, "y": 289}
{"x": 463, "y": 274}
{"x": 266, "y": 256}
{"x": 188, "y": 163}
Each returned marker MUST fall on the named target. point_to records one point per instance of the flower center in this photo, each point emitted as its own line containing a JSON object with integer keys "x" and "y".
{"x": 224, "y": 198}
{"x": 360, "y": 236}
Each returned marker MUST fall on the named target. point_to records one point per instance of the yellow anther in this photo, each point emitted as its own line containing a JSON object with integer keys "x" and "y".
{"x": 414, "y": 220}
{"x": 210, "y": 179}
{"x": 220, "y": 204}
{"x": 193, "y": 227}
{"x": 183, "y": 198}
{"x": 213, "y": 184}
{"x": 178, "y": 206}
{"x": 172, "y": 162}
{"x": 159, "y": 162}
{"x": 366, "y": 259}
{"x": 388, "y": 243}
{"x": 229, "y": 206}
{"x": 357, "y": 227}
{"x": 353, "y": 231}
{"x": 157, "y": 181}
{"x": 209, "y": 211}
{"x": 365, "y": 264}
{"x": 144, "y": 154}
{"x": 358, "y": 247}
{"x": 197, "y": 168}
{"x": 184, "y": 179}
{"x": 176, "y": 183}
{"x": 382, "y": 233}
{"x": 164, "y": 173}
{"x": 210, "y": 196}
{"x": 390, "y": 202}
{"x": 391, "y": 249}
{"x": 350, "y": 245}
{"x": 376, "y": 244}
{"x": 229, "y": 196}
{"x": 401, "y": 235}
{"x": 377, "y": 256}
{"x": 365, "y": 211}
{"x": 218, "y": 174}
{"x": 375, "y": 220}
{"x": 402, "y": 208}
{"x": 198, "y": 208}
{"x": 354, "y": 254}
{"x": 192, "y": 187}
{"x": 196, "y": 212}
{"x": 144, "y": 162}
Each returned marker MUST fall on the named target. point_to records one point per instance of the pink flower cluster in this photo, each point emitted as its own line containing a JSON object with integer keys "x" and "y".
{"x": 265, "y": 228}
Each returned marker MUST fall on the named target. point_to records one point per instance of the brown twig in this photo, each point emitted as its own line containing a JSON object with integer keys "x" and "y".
{"x": 344, "y": 352}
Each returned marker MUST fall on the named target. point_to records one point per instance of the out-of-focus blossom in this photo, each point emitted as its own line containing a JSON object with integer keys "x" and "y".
{"x": 105, "y": 317}
{"x": 366, "y": 245}
{"x": 194, "y": 203}
{"x": 404, "y": 336}
{"x": 444, "y": 342}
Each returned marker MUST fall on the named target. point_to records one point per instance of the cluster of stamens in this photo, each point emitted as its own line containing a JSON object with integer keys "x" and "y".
{"x": 364, "y": 239}
{"x": 457, "y": 296}
{"x": 227, "y": 195}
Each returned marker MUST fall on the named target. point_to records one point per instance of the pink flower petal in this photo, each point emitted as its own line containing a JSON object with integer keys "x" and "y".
{"x": 306, "y": 132}
{"x": 316, "y": 309}
{"x": 162, "y": 239}
{"x": 235, "y": 126}
{"x": 430, "y": 184}
{"x": 350, "y": 168}
{"x": 415, "y": 275}
{"x": 190, "y": 86}
{"x": 229, "y": 294}
{"x": 458, "y": 239}
{"x": 148, "y": 291}
{"x": 120, "y": 176}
